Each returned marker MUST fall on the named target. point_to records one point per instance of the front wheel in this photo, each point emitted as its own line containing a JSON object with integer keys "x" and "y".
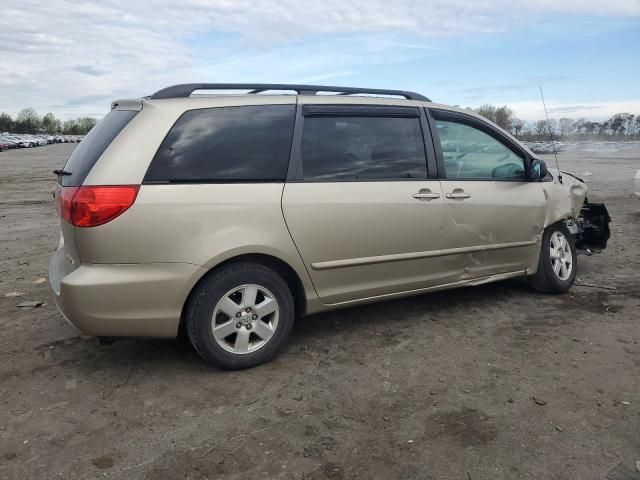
{"x": 558, "y": 261}
{"x": 240, "y": 316}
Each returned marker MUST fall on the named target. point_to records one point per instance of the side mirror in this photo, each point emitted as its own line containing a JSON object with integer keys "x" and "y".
{"x": 538, "y": 169}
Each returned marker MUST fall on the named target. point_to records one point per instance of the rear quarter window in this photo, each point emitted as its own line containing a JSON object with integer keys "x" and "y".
{"x": 245, "y": 143}
{"x": 85, "y": 156}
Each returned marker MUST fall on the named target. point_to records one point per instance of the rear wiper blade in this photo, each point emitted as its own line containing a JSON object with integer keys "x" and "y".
{"x": 62, "y": 173}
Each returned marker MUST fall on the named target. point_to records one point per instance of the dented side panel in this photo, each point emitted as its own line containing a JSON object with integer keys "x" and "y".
{"x": 496, "y": 229}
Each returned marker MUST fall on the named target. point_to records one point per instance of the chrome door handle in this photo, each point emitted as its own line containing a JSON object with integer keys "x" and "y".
{"x": 426, "y": 196}
{"x": 457, "y": 195}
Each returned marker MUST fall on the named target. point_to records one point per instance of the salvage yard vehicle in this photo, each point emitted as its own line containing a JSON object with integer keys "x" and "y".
{"x": 227, "y": 216}
{"x": 21, "y": 140}
{"x": 6, "y": 143}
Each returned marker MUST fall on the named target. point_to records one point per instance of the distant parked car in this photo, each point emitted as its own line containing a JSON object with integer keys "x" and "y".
{"x": 23, "y": 141}
{"x": 39, "y": 140}
{"x": 636, "y": 183}
{"x": 9, "y": 142}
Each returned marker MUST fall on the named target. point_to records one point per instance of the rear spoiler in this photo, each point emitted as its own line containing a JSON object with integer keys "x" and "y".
{"x": 127, "y": 104}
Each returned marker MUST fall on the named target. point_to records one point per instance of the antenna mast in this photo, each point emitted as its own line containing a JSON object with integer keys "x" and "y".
{"x": 553, "y": 144}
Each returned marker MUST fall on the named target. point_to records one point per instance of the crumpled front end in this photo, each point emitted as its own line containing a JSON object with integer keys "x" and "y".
{"x": 588, "y": 222}
{"x": 564, "y": 200}
{"x": 592, "y": 228}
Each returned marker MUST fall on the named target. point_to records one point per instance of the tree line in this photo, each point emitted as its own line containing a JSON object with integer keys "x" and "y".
{"x": 621, "y": 126}
{"x": 28, "y": 121}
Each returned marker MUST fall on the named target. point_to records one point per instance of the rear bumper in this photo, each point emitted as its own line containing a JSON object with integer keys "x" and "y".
{"x": 123, "y": 300}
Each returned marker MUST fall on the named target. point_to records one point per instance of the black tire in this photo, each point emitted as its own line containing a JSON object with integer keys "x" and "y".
{"x": 212, "y": 289}
{"x": 546, "y": 279}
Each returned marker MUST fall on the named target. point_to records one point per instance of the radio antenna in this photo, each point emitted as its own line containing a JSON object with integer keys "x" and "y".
{"x": 553, "y": 144}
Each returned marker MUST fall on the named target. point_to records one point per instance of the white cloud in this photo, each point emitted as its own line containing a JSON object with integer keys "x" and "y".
{"x": 531, "y": 110}
{"x": 71, "y": 57}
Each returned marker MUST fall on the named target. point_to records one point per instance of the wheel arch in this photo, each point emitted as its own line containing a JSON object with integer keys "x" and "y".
{"x": 285, "y": 270}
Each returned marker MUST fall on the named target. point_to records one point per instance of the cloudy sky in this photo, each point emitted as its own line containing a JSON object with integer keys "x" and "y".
{"x": 74, "y": 57}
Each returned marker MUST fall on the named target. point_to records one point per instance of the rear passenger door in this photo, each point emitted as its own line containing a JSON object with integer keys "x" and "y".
{"x": 358, "y": 202}
{"x": 493, "y": 213}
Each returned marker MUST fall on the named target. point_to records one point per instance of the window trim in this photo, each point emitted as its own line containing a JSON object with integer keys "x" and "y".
{"x": 434, "y": 114}
{"x": 211, "y": 181}
{"x": 282, "y": 179}
{"x": 322, "y": 110}
{"x": 296, "y": 174}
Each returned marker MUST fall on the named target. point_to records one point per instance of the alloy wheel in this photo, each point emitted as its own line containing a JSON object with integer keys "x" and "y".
{"x": 245, "y": 319}
{"x": 561, "y": 256}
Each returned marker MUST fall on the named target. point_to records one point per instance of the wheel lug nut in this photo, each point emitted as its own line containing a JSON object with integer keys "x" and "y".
{"x": 254, "y": 316}
{"x": 247, "y": 309}
{"x": 239, "y": 325}
{"x": 238, "y": 314}
{"x": 248, "y": 326}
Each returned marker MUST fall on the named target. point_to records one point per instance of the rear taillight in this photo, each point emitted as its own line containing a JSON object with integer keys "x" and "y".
{"x": 94, "y": 205}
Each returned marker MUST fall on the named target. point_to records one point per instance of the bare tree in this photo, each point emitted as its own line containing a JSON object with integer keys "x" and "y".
{"x": 517, "y": 126}
{"x": 85, "y": 124}
{"x": 502, "y": 116}
{"x": 487, "y": 111}
{"x": 540, "y": 128}
{"x": 50, "y": 123}
{"x": 6, "y": 123}
{"x": 28, "y": 121}
{"x": 70, "y": 127}
{"x": 566, "y": 127}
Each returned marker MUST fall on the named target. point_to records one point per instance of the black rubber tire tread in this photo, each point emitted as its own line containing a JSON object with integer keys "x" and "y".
{"x": 545, "y": 280}
{"x": 206, "y": 295}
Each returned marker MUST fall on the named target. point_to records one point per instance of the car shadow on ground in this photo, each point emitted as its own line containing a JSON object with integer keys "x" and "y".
{"x": 399, "y": 310}
{"x": 327, "y": 328}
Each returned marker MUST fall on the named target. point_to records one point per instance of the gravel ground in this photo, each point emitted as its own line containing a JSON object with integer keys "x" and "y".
{"x": 489, "y": 382}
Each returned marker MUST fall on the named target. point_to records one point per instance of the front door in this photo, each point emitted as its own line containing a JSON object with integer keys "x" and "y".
{"x": 494, "y": 216}
{"x": 362, "y": 212}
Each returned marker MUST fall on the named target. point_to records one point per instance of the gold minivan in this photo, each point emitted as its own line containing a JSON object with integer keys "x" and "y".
{"x": 230, "y": 215}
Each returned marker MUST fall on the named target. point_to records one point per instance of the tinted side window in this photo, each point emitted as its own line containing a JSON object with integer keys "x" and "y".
{"x": 356, "y": 148}
{"x": 93, "y": 146}
{"x": 226, "y": 143}
{"x": 471, "y": 153}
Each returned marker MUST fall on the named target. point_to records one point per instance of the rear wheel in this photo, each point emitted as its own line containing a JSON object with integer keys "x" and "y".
{"x": 240, "y": 316}
{"x": 558, "y": 261}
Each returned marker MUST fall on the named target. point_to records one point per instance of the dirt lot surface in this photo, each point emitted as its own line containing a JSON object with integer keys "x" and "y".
{"x": 489, "y": 382}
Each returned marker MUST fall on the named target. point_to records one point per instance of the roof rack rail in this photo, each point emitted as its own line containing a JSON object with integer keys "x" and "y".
{"x": 186, "y": 89}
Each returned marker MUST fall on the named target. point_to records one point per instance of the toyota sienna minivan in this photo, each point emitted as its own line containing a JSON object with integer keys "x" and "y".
{"x": 227, "y": 216}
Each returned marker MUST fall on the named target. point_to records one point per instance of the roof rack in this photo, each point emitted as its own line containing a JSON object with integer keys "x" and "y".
{"x": 186, "y": 89}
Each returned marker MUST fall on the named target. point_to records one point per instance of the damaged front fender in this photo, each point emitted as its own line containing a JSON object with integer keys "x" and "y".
{"x": 588, "y": 222}
{"x": 564, "y": 200}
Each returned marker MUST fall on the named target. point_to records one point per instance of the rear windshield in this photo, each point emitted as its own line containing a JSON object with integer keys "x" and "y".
{"x": 93, "y": 145}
